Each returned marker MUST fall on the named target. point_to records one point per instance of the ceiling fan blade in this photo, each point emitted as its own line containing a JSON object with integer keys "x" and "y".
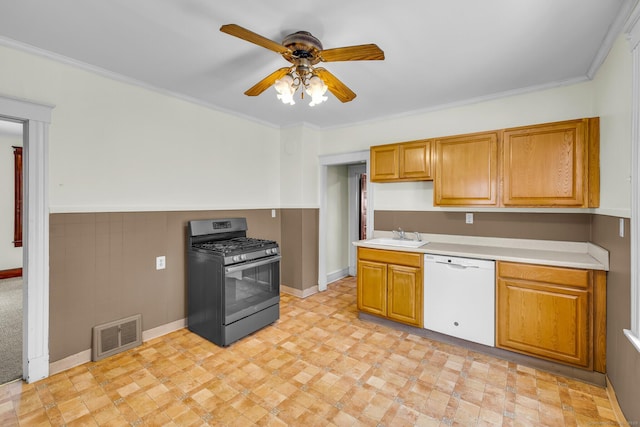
{"x": 264, "y": 84}
{"x": 250, "y": 36}
{"x": 335, "y": 86}
{"x": 365, "y": 52}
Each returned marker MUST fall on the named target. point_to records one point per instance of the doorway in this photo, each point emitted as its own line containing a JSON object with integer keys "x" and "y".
{"x": 357, "y": 182}
{"x": 35, "y": 119}
{"x": 360, "y": 158}
{"x": 11, "y": 254}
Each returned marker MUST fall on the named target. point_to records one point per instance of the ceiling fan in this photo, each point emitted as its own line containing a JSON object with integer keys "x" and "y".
{"x": 304, "y": 51}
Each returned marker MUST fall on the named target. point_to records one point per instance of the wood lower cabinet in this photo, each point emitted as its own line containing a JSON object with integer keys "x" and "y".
{"x": 466, "y": 171}
{"x": 552, "y": 312}
{"x": 407, "y": 161}
{"x": 390, "y": 285}
{"x": 372, "y": 287}
{"x": 554, "y": 164}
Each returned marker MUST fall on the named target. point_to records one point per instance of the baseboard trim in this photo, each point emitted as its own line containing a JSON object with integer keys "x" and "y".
{"x": 10, "y": 273}
{"x": 163, "y": 329}
{"x": 85, "y": 355}
{"x": 614, "y": 404}
{"x": 337, "y": 275}
{"x": 299, "y": 293}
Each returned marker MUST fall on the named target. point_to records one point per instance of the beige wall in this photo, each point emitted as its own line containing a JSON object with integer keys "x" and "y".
{"x": 515, "y": 225}
{"x": 300, "y": 251}
{"x": 115, "y": 147}
{"x": 102, "y": 268}
{"x": 623, "y": 360}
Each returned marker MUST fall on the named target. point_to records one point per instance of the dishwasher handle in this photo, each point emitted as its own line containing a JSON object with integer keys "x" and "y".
{"x": 457, "y": 266}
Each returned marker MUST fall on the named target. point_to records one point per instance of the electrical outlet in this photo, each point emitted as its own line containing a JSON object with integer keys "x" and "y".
{"x": 273, "y": 213}
{"x": 468, "y": 219}
{"x": 621, "y": 231}
{"x": 161, "y": 262}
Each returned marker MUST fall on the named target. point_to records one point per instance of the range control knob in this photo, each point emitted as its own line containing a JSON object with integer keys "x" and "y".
{"x": 236, "y": 258}
{"x": 243, "y": 257}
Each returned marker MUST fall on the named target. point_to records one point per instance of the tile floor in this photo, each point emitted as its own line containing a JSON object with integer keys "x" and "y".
{"x": 319, "y": 365}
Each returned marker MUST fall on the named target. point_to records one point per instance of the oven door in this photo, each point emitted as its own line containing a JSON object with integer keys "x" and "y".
{"x": 251, "y": 287}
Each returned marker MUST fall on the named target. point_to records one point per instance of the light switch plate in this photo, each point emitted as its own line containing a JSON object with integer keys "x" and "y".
{"x": 621, "y": 231}
{"x": 468, "y": 219}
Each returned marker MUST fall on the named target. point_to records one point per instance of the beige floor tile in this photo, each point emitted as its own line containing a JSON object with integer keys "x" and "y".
{"x": 319, "y": 365}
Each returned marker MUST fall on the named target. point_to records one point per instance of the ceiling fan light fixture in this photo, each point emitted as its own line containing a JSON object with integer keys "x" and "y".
{"x": 285, "y": 88}
{"x": 316, "y": 89}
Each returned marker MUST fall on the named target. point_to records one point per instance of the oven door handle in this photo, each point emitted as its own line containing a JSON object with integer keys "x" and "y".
{"x": 252, "y": 264}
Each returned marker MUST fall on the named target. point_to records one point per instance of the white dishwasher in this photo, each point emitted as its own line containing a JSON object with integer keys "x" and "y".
{"x": 459, "y": 297}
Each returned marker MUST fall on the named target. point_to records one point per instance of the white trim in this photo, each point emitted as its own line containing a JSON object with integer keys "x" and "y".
{"x": 162, "y": 208}
{"x": 633, "y": 338}
{"x": 35, "y": 342}
{"x": 125, "y": 79}
{"x": 299, "y": 293}
{"x": 70, "y": 362}
{"x": 353, "y": 173}
{"x": 164, "y": 329}
{"x": 633, "y": 30}
{"x": 612, "y": 34}
{"x": 337, "y": 275}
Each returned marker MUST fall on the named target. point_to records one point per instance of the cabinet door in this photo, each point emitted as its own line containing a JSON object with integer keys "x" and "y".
{"x": 385, "y": 162}
{"x": 546, "y": 165}
{"x": 405, "y": 294}
{"x": 372, "y": 287}
{"x": 466, "y": 170}
{"x": 543, "y": 318}
{"x": 415, "y": 160}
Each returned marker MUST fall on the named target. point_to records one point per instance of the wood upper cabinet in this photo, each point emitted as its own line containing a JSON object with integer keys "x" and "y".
{"x": 466, "y": 170}
{"x": 407, "y": 161}
{"x": 555, "y": 164}
{"x": 390, "y": 285}
{"x": 552, "y": 312}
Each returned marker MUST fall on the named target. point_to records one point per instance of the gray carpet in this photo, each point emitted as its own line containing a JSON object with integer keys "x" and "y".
{"x": 10, "y": 330}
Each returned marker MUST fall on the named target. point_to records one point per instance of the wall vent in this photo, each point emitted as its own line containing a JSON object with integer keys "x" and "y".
{"x": 117, "y": 336}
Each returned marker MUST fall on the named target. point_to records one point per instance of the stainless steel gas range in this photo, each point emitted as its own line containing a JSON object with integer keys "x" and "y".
{"x": 233, "y": 281}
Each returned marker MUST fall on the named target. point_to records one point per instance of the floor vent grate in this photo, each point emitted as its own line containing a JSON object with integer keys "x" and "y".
{"x": 117, "y": 336}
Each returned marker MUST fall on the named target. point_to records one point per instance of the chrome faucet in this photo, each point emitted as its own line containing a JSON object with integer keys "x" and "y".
{"x": 399, "y": 233}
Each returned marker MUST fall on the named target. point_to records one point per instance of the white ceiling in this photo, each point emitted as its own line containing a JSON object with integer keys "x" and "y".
{"x": 438, "y": 52}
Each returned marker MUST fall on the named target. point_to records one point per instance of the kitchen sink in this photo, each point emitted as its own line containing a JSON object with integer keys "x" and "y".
{"x": 405, "y": 243}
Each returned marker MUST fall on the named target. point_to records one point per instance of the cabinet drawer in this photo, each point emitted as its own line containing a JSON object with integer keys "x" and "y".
{"x": 538, "y": 273}
{"x": 391, "y": 257}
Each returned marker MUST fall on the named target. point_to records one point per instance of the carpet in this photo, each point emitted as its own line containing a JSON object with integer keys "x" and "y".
{"x": 10, "y": 329}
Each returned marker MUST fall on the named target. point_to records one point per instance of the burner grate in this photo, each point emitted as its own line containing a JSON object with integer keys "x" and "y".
{"x": 238, "y": 244}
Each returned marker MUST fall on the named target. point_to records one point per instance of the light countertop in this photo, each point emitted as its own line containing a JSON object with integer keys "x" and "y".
{"x": 545, "y": 252}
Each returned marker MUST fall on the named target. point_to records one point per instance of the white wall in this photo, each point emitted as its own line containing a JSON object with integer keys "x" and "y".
{"x": 608, "y": 95}
{"x": 613, "y": 86}
{"x": 10, "y": 256}
{"x": 299, "y": 168}
{"x": 155, "y": 152}
{"x": 118, "y": 147}
{"x": 337, "y": 218}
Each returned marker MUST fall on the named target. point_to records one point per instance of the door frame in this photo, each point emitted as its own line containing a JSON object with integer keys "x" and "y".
{"x": 36, "y": 118}
{"x": 353, "y": 172}
{"x": 325, "y": 162}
